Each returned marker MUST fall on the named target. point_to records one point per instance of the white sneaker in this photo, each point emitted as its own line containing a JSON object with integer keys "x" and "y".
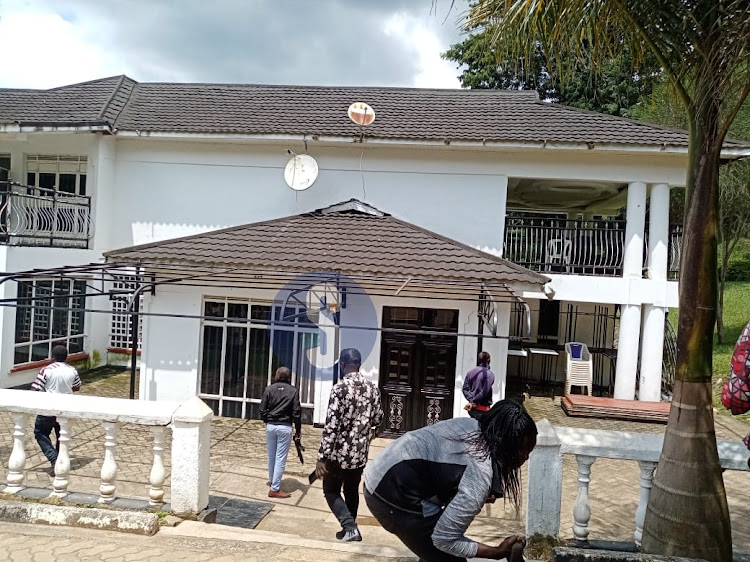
{"x": 352, "y": 535}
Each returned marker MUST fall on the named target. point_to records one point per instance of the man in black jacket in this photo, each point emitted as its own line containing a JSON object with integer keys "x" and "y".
{"x": 279, "y": 407}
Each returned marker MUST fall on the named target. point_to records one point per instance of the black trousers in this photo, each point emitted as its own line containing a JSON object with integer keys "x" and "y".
{"x": 413, "y": 530}
{"x": 345, "y": 509}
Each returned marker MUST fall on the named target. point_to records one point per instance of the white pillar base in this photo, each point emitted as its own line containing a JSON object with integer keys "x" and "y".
{"x": 627, "y": 352}
{"x": 652, "y": 353}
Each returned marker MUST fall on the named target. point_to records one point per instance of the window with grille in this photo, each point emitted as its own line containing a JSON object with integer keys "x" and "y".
{"x": 119, "y": 335}
{"x": 65, "y": 174}
{"x": 49, "y": 313}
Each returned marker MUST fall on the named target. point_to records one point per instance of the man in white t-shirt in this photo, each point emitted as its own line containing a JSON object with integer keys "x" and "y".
{"x": 57, "y": 378}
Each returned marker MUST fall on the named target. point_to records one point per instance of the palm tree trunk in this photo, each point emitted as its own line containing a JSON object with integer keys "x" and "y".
{"x": 687, "y": 513}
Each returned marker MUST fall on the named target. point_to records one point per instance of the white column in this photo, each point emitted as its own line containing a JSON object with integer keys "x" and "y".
{"x": 109, "y": 466}
{"x": 62, "y": 465}
{"x": 652, "y": 348}
{"x": 498, "y": 350}
{"x": 647, "y": 477}
{"x": 17, "y": 461}
{"x": 191, "y": 442}
{"x": 158, "y": 474}
{"x": 652, "y": 351}
{"x": 658, "y": 232}
{"x": 544, "y": 490}
{"x": 582, "y": 508}
{"x": 630, "y": 316}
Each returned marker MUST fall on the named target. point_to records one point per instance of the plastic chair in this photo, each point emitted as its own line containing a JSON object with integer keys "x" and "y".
{"x": 578, "y": 370}
{"x": 558, "y": 252}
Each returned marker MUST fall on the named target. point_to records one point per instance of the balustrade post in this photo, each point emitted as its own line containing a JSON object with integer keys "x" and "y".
{"x": 647, "y": 477}
{"x": 62, "y": 466}
{"x": 158, "y": 474}
{"x": 109, "y": 466}
{"x": 544, "y": 490}
{"x": 191, "y": 457}
{"x": 582, "y": 508}
{"x": 17, "y": 461}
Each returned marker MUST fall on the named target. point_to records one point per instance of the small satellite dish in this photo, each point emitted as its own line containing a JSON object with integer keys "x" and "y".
{"x": 301, "y": 172}
{"x": 361, "y": 113}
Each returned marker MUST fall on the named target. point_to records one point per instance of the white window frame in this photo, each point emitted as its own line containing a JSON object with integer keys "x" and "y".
{"x": 57, "y": 164}
{"x": 121, "y": 322}
{"x": 50, "y": 341}
{"x": 226, "y": 323}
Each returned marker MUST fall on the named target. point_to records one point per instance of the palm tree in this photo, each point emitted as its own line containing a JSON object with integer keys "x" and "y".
{"x": 703, "y": 47}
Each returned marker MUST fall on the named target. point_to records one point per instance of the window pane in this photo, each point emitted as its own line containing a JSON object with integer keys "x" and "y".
{"x": 23, "y": 312}
{"x": 82, "y": 184}
{"x": 213, "y": 404}
{"x": 257, "y": 364}
{"x": 211, "y": 365}
{"x": 21, "y": 355}
{"x": 67, "y": 183}
{"x": 237, "y": 311}
{"x": 40, "y": 351}
{"x": 42, "y": 305}
{"x": 283, "y": 348}
{"x": 305, "y": 368}
{"x": 231, "y": 409}
{"x": 234, "y": 361}
{"x": 61, "y": 312}
{"x": 46, "y": 180}
{"x": 260, "y": 312}
{"x": 75, "y": 345}
{"x": 31, "y": 178}
{"x": 77, "y": 305}
{"x": 213, "y": 310}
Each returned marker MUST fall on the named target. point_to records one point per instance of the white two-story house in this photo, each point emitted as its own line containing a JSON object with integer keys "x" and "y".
{"x": 458, "y": 221}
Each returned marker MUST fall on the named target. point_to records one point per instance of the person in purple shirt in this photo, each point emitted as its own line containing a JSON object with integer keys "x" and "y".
{"x": 478, "y": 386}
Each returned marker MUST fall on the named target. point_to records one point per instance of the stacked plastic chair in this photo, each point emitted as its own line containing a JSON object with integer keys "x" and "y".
{"x": 578, "y": 370}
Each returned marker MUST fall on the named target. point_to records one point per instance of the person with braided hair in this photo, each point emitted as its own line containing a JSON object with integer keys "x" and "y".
{"x": 429, "y": 485}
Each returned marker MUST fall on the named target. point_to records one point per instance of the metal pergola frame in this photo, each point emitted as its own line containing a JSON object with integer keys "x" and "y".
{"x": 148, "y": 276}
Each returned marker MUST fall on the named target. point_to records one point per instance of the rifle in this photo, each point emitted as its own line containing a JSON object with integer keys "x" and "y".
{"x": 300, "y": 448}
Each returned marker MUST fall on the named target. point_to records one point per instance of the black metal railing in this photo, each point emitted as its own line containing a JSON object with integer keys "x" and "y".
{"x": 36, "y": 216}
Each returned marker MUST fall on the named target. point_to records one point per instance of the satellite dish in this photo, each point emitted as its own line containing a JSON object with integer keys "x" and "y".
{"x": 301, "y": 172}
{"x": 361, "y": 113}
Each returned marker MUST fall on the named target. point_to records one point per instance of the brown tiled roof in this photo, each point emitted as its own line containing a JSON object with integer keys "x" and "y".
{"x": 401, "y": 113}
{"x": 351, "y": 238}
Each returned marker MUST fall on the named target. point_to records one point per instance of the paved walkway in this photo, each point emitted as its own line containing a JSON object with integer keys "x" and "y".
{"x": 238, "y": 468}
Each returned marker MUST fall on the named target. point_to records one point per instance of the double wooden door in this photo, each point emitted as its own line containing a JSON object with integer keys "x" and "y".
{"x": 418, "y": 367}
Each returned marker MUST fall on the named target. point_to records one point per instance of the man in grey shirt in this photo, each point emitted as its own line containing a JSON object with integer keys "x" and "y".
{"x": 429, "y": 485}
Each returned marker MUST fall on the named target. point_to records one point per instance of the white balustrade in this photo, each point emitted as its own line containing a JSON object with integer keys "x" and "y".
{"x": 545, "y": 474}
{"x": 582, "y": 509}
{"x": 17, "y": 461}
{"x": 62, "y": 465}
{"x": 109, "y": 466}
{"x": 158, "y": 473}
{"x": 647, "y": 478}
{"x": 190, "y": 423}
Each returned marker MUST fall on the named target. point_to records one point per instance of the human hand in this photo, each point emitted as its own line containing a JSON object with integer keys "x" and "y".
{"x": 297, "y": 437}
{"x": 320, "y": 469}
{"x": 468, "y": 406}
{"x": 506, "y": 547}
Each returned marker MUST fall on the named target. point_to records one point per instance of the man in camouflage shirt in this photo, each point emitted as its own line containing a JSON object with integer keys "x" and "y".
{"x": 354, "y": 414}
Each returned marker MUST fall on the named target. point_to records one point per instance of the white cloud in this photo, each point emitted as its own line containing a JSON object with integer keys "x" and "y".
{"x": 425, "y": 45}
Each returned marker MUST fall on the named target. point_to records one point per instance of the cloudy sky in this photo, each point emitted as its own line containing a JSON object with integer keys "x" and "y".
{"x": 48, "y": 43}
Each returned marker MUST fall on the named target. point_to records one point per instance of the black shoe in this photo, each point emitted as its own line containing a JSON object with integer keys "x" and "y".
{"x": 340, "y": 534}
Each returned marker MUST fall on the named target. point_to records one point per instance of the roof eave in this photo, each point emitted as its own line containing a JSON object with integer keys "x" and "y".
{"x": 665, "y": 148}
{"x": 55, "y": 127}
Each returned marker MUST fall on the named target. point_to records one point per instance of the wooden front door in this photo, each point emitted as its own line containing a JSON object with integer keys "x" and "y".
{"x": 418, "y": 368}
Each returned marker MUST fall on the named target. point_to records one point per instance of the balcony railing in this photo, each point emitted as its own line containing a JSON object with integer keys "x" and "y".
{"x": 580, "y": 247}
{"x": 35, "y": 216}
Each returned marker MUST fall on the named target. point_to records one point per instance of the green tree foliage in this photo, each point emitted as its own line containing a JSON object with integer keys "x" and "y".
{"x": 614, "y": 88}
{"x": 703, "y": 47}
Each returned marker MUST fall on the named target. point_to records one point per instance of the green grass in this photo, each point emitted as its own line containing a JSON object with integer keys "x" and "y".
{"x": 736, "y": 316}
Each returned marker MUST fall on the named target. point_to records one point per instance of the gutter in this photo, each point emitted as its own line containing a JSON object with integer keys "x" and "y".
{"x": 56, "y": 127}
{"x": 727, "y": 153}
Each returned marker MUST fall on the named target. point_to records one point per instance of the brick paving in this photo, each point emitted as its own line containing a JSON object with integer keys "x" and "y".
{"x": 238, "y": 468}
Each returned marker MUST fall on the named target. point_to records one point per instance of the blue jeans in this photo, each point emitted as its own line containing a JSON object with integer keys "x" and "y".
{"x": 43, "y": 426}
{"x": 278, "y": 441}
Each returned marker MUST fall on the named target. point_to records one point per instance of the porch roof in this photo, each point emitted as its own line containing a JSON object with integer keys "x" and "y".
{"x": 409, "y": 114}
{"x": 351, "y": 238}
